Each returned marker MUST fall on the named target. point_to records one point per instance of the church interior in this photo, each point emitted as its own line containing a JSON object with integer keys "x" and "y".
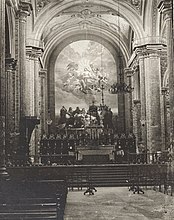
{"x": 86, "y": 100}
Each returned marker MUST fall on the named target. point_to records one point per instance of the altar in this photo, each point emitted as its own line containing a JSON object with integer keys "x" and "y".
{"x": 95, "y": 155}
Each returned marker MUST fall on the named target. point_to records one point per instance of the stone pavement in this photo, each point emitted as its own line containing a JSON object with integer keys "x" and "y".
{"x": 111, "y": 203}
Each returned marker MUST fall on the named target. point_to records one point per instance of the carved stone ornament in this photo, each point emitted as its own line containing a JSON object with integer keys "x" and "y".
{"x": 86, "y": 14}
{"x": 41, "y": 4}
{"x": 135, "y": 2}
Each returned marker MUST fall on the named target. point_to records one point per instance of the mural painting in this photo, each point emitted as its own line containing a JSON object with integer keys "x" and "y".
{"x": 82, "y": 69}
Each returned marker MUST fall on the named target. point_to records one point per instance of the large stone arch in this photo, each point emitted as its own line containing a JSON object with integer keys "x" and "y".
{"x": 59, "y": 46}
{"x": 62, "y": 39}
{"x": 59, "y": 39}
{"x": 54, "y": 8}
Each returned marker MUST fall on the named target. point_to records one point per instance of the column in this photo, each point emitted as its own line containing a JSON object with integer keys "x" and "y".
{"x": 136, "y": 121}
{"x": 165, "y": 7}
{"x": 129, "y": 107}
{"x": 32, "y": 85}
{"x": 121, "y": 99}
{"x": 32, "y": 94}
{"x": 42, "y": 74}
{"x": 10, "y": 64}
{"x": 142, "y": 99}
{"x": 3, "y": 173}
{"x": 150, "y": 96}
{"x": 164, "y": 121}
{"x": 24, "y": 11}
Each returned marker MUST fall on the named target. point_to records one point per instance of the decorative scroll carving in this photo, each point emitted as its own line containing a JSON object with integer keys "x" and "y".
{"x": 41, "y": 4}
{"x": 137, "y": 4}
{"x": 86, "y": 14}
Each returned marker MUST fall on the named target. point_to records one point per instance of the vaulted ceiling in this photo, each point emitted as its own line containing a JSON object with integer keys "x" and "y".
{"x": 114, "y": 23}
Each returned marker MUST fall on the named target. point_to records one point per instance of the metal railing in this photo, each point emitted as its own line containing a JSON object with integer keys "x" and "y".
{"x": 148, "y": 158}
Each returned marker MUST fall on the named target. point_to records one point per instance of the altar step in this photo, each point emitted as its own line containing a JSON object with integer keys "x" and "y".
{"x": 99, "y": 176}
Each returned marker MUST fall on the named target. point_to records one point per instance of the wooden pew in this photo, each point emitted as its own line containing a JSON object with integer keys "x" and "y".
{"x": 34, "y": 200}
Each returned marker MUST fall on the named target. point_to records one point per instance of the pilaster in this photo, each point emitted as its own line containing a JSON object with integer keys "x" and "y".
{"x": 128, "y": 72}
{"x": 121, "y": 99}
{"x": 24, "y": 11}
{"x": 150, "y": 95}
{"x": 165, "y": 121}
{"x": 43, "y": 97}
{"x": 32, "y": 88}
{"x": 3, "y": 173}
{"x": 165, "y": 7}
{"x": 32, "y": 94}
{"x": 10, "y": 64}
{"x": 137, "y": 121}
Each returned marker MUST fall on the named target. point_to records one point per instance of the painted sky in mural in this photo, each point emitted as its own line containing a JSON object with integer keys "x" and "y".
{"x": 81, "y": 69}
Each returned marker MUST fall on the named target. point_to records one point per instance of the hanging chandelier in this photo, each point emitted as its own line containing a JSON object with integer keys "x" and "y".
{"x": 121, "y": 86}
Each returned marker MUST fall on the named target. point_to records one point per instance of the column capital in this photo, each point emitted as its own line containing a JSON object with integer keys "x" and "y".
{"x": 25, "y": 8}
{"x": 128, "y": 72}
{"x": 42, "y": 73}
{"x": 33, "y": 52}
{"x": 149, "y": 50}
{"x": 10, "y": 63}
{"x": 165, "y": 7}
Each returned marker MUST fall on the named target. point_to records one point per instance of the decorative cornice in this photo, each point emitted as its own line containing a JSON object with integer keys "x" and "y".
{"x": 149, "y": 50}
{"x": 33, "y": 52}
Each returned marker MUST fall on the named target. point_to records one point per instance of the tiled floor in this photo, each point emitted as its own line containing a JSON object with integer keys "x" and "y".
{"x": 119, "y": 204}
